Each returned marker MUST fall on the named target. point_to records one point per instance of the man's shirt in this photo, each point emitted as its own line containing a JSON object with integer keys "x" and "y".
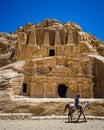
{"x": 76, "y": 101}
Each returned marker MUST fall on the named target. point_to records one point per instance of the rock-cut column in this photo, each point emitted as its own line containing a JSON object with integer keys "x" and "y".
{"x": 32, "y": 37}
{"x": 70, "y": 38}
{"x": 57, "y": 38}
{"x": 22, "y": 38}
{"x": 46, "y": 38}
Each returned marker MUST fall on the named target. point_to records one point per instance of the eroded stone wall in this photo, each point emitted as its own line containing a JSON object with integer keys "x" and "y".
{"x": 42, "y": 76}
{"x": 48, "y": 86}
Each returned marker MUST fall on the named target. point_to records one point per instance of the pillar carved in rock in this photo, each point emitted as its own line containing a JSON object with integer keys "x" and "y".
{"x": 46, "y": 38}
{"x": 32, "y": 37}
{"x": 22, "y": 38}
{"x": 57, "y": 38}
{"x": 70, "y": 38}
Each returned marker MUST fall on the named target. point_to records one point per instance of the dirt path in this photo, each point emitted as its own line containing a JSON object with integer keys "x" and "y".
{"x": 50, "y": 124}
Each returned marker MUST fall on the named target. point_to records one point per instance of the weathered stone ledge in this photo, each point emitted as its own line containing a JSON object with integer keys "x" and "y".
{"x": 65, "y": 117}
{"x": 15, "y": 116}
{"x": 28, "y": 116}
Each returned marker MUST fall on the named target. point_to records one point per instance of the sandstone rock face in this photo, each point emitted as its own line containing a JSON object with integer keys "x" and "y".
{"x": 52, "y": 60}
{"x": 45, "y": 107}
{"x": 7, "y": 48}
{"x": 98, "y": 72}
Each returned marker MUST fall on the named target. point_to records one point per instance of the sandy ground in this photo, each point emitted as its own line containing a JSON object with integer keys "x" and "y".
{"x": 50, "y": 124}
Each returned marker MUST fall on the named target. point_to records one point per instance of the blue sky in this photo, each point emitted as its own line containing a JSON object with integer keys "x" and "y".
{"x": 89, "y": 14}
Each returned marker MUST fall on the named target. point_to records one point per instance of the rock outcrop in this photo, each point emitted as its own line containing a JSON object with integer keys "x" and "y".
{"x": 51, "y": 59}
{"x": 7, "y": 48}
{"x": 46, "y": 107}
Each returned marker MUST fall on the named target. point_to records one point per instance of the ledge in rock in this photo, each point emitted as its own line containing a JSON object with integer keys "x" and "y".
{"x": 15, "y": 116}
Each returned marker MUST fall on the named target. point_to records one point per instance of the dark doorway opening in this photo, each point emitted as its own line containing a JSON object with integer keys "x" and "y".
{"x": 62, "y": 89}
{"x": 24, "y": 88}
{"x": 51, "y": 52}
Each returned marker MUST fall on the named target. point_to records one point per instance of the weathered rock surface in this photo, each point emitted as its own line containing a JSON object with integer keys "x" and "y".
{"x": 39, "y": 107}
{"x": 15, "y": 116}
{"x": 98, "y": 72}
{"x": 7, "y": 48}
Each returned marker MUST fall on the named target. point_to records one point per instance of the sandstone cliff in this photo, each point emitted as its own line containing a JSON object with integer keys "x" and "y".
{"x": 51, "y": 59}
